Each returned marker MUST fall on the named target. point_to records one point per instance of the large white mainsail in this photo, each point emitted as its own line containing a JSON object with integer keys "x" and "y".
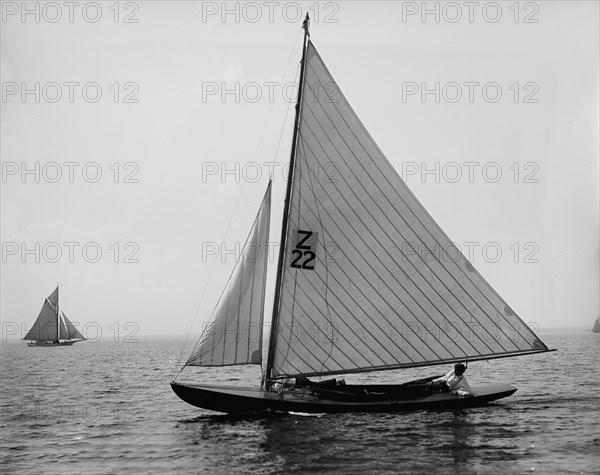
{"x": 234, "y": 335}
{"x": 370, "y": 281}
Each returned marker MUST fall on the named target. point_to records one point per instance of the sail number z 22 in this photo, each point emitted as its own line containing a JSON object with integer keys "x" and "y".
{"x": 303, "y": 254}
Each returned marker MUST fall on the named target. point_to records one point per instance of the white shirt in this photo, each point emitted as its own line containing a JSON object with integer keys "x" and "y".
{"x": 456, "y": 383}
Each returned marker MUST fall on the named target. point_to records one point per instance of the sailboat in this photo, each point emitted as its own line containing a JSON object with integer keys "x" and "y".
{"x": 366, "y": 281}
{"x": 52, "y": 327}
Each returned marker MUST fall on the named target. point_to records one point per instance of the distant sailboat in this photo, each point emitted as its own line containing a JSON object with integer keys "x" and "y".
{"x": 596, "y": 328}
{"x": 366, "y": 281}
{"x": 52, "y": 327}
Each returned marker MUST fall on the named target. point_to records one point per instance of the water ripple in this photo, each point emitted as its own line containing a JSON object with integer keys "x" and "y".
{"x": 114, "y": 412}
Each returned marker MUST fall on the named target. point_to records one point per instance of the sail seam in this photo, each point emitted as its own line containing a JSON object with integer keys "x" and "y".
{"x": 401, "y": 302}
{"x": 368, "y": 229}
{"x": 316, "y": 324}
{"x": 366, "y": 297}
{"x": 349, "y": 313}
{"x": 289, "y": 231}
{"x": 290, "y": 348}
{"x": 326, "y": 267}
{"x": 382, "y": 299}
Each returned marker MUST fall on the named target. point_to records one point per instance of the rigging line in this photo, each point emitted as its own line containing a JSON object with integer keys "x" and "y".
{"x": 263, "y": 133}
{"x": 225, "y": 289}
{"x": 233, "y": 214}
{"x": 204, "y": 293}
{"x": 287, "y": 113}
{"x": 195, "y": 316}
{"x": 273, "y": 105}
{"x": 289, "y": 102}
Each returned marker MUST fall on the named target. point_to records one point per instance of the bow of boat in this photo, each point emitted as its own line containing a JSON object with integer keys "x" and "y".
{"x": 229, "y": 399}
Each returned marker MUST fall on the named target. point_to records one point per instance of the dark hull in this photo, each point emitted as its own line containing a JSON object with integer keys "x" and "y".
{"x": 364, "y": 398}
{"x": 51, "y": 343}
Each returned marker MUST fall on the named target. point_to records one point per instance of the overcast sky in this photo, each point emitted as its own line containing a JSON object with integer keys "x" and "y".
{"x": 488, "y": 110}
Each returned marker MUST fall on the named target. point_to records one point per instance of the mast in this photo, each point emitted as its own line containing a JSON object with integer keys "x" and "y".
{"x": 284, "y": 224}
{"x": 57, "y": 316}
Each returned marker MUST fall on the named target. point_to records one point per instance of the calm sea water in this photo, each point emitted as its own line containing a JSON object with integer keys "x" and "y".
{"x": 108, "y": 408}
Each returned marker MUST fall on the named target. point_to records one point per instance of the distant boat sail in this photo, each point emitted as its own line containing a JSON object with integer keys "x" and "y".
{"x": 52, "y": 327}
{"x": 366, "y": 281}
